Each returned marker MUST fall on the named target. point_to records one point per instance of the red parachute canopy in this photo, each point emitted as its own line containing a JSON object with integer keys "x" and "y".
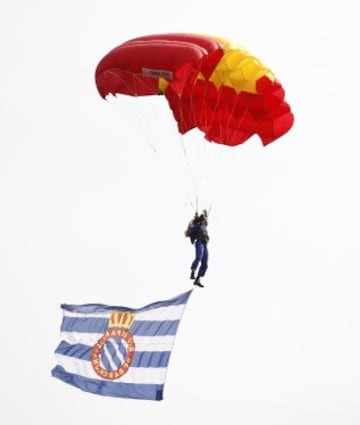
{"x": 210, "y": 84}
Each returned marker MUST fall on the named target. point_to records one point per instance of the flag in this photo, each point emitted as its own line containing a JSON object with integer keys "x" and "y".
{"x": 118, "y": 351}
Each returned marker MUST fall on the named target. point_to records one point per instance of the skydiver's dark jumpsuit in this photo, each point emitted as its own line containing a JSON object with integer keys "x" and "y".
{"x": 199, "y": 235}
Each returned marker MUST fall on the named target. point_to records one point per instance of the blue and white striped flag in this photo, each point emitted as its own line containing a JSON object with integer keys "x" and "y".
{"x": 118, "y": 351}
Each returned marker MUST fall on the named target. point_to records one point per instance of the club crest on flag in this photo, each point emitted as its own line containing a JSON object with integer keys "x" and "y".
{"x": 113, "y": 354}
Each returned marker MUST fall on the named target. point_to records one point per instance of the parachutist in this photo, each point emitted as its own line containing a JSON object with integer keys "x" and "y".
{"x": 198, "y": 234}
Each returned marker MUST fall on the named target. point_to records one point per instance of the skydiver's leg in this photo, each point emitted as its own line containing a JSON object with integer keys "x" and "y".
{"x": 204, "y": 262}
{"x": 199, "y": 248}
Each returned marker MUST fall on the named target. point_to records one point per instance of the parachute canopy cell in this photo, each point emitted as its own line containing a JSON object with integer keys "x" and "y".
{"x": 210, "y": 84}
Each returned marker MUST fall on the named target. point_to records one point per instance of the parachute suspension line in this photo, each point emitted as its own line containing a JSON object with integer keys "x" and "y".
{"x": 203, "y": 158}
{"x": 196, "y": 168}
{"x": 213, "y": 156}
{"x": 239, "y": 122}
{"x": 194, "y": 182}
{"x": 216, "y": 170}
{"x": 209, "y": 118}
{"x": 216, "y": 151}
{"x": 144, "y": 123}
{"x": 140, "y": 110}
{"x": 202, "y": 170}
{"x": 199, "y": 154}
{"x": 213, "y": 151}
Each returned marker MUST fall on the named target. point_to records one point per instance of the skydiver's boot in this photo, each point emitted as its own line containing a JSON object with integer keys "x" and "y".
{"x": 192, "y": 276}
{"x": 198, "y": 283}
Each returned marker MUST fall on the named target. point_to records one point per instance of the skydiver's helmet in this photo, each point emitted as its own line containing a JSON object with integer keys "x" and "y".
{"x": 203, "y": 218}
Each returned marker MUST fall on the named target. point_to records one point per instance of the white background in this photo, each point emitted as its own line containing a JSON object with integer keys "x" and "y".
{"x": 95, "y": 199}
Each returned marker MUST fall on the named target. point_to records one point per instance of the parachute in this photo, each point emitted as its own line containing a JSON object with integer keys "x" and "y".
{"x": 210, "y": 83}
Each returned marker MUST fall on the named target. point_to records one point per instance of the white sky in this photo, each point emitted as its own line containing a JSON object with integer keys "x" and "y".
{"x": 95, "y": 199}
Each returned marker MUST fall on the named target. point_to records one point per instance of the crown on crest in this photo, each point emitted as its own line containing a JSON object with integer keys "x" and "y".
{"x": 121, "y": 319}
